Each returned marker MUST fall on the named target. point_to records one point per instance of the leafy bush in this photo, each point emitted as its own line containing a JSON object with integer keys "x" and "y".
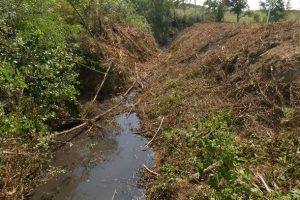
{"x": 98, "y": 12}
{"x": 13, "y": 125}
{"x": 11, "y": 81}
{"x": 37, "y": 70}
{"x": 216, "y": 146}
{"x": 52, "y": 82}
{"x": 256, "y": 17}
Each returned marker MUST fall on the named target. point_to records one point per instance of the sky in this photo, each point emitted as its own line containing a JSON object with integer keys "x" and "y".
{"x": 254, "y": 4}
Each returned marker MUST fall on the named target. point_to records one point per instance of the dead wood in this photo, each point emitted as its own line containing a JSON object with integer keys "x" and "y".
{"x": 147, "y": 145}
{"x": 102, "y": 83}
{"x": 91, "y": 121}
{"x": 149, "y": 170}
{"x": 130, "y": 88}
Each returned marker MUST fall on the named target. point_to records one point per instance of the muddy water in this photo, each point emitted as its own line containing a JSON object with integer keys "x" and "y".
{"x": 103, "y": 167}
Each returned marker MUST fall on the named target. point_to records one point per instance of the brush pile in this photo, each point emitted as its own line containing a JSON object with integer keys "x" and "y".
{"x": 120, "y": 46}
{"x": 251, "y": 70}
{"x": 254, "y": 69}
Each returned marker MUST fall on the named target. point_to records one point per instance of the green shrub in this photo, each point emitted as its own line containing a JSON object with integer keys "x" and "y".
{"x": 256, "y": 17}
{"x": 121, "y": 11}
{"x": 11, "y": 81}
{"x": 38, "y": 77}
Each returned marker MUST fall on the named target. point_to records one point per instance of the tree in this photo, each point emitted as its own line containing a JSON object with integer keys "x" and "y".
{"x": 217, "y": 8}
{"x": 238, "y": 7}
{"x": 274, "y": 8}
{"x": 288, "y": 5}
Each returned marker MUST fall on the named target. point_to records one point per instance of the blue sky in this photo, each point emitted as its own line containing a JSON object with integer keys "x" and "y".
{"x": 254, "y": 4}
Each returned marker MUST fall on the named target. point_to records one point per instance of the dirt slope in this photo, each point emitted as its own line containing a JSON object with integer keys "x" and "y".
{"x": 250, "y": 70}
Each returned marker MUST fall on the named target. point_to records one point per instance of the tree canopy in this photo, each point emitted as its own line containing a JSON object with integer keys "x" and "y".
{"x": 274, "y": 8}
{"x": 238, "y": 7}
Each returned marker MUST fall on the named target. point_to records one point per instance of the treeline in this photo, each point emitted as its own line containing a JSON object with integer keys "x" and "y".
{"x": 274, "y": 9}
{"x": 167, "y": 17}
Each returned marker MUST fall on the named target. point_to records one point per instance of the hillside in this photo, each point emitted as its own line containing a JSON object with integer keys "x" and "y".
{"x": 227, "y": 96}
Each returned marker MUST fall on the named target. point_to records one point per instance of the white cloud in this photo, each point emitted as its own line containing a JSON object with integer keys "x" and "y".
{"x": 254, "y": 4}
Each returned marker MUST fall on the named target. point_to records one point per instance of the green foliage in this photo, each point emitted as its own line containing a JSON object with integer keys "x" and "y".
{"x": 11, "y": 81}
{"x": 37, "y": 70}
{"x": 159, "y": 16}
{"x": 216, "y": 146}
{"x": 288, "y": 114}
{"x": 287, "y": 160}
{"x": 167, "y": 17}
{"x": 209, "y": 144}
{"x": 130, "y": 16}
{"x": 276, "y": 7}
{"x": 292, "y": 15}
{"x": 168, "y": 81}
{"x": 294, "y": 195}
{"x": 216, "y": 8}
{"x": 256, "y": 17}
{"x": 52, "y": 82}
{"x": 169, "y": 101}
{"x": 13, "y": 125}
{"x": 122, "y": 11}
{"x": 238, "y": 7}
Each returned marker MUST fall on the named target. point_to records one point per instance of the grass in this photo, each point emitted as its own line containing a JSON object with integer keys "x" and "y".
{"x": 166, "y": 103}
{"x": 293, "y": 15}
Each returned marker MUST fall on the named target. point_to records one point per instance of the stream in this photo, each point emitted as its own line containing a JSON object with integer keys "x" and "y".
{"x": 103, "y": 167}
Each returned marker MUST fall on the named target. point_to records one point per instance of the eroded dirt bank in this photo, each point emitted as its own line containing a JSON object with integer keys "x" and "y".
{"x": 229, "y": 96}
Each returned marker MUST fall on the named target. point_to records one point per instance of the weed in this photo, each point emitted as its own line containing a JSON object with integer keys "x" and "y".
{"x": 285, "y": 151}
{"x": 165, "y": 103}
{"x": 168, "y": 81}
{"x": 54, "y": 171}
{"x": 288, "y": 114}
{"x": 210, "y": 148}
{"x": 169, "y": 101}
{"x": 44, "y": 141}
{"x": 166, "y": 183}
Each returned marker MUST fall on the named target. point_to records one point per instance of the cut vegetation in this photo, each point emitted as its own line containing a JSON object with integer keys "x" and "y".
{"x": 221, "y": 104}
{"x": 229, "y": 94}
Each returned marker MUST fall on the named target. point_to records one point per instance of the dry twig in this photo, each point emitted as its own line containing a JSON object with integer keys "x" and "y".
{"x": 113, "y": 197}
{"x": 149, "y": 170}
{"x": 264, "y": 182}
{"x": 147, "y": 145}
{"x": 88, "y": 122}
{"x": 102, "y": 83}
